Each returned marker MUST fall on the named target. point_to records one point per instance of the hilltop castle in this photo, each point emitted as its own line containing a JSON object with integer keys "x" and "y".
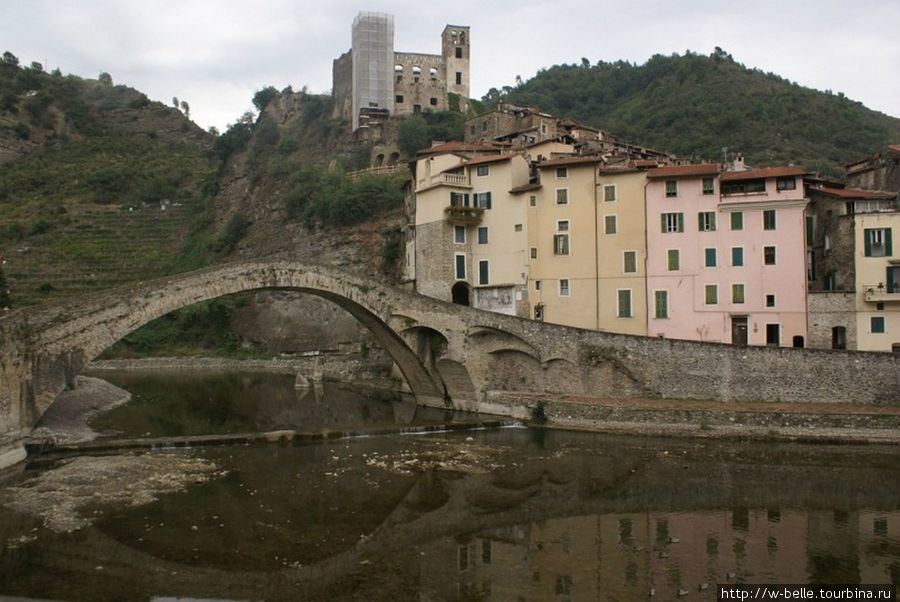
{"x": 371, "y": 81}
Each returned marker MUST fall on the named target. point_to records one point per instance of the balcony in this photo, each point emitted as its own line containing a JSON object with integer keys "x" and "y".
{"x": 879, "y": 293}
{"x": 464, "y": 215}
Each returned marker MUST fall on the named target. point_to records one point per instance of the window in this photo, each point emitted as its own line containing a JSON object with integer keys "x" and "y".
{"x": 538, "y": 312}
{"x": 810, "y": 230}
{"x": 773, "y": 334}
{"x": 829, "y": 283}
{"x": 737, "y": 293}
{"x": 460, "y": 267}
{"x": 459, "y": 199}
{"x": 534, "y": 252}
{"x": 459, "y": 79}
{"x": 517, "y": 227}
{"x": 459, "y": 234}
{"x": 708, "y": 186}
{"x": 706, "y": 221}
{"x": 786, "y": 183}
{"x": 661, "y": 304}
{"x": 562, "y": 196}
{"x": 737, "y": 256}
{"x": 709, "y": 257}
{"x": 629, "y": 261}
{"x": 737, "y": 220}
{"x": 711, "y": 294}
{"x": 672, "y": 222}
{"x": 878, "y": 242}
{"x": 537, "y": 285}
{"x": 483, "y": 170}
{"x": 673, "y": 262}
{"x": 398, "y": 99}
{"x": 482, "y": 235}
{"x": 483, "y": 269}
{"x": 609, "y": 193}
{"x": 769, "y": 219}
{"x": 609, "y": 224}
{"x": 562, "y": 172}
{"x": 744, "y": 186}
{"x": 561, "y": 238}
{"x": 624, "y": 303}
{"x": 432, "y": 101}
{"x": 769, "y": 255}
{"x": 563, "y": 287}
{"x": 770, "y": 300}
{"x": 459, "y": 52}
{"x": 482, "y": 199}
{"x": 671, "y": 188}
{"x": 532, "y": 200}
{"x": 877, "y": 324}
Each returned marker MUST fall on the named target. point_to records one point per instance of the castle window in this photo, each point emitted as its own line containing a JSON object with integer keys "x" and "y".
{"x": 459, "y": 52}
{"x": 459, "y": 78}
{"x": 433, "y": 101}
{"x": 398, "y": 99}
{"x": 417, "y": 70}
{"x": 433, "y": 73}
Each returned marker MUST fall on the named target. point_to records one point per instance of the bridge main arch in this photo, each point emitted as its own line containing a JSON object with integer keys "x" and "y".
{"x": 62, "y": 339}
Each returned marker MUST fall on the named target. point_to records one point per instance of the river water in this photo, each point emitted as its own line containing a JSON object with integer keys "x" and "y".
{"x": 484, "y": 514}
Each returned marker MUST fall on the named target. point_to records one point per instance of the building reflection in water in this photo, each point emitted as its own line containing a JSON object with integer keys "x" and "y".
{"x": 626, "y": 556}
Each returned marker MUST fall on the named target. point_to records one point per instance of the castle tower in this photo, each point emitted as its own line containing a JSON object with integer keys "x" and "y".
{"x": 455, "y": 51}
{"x": 373, "y": 62}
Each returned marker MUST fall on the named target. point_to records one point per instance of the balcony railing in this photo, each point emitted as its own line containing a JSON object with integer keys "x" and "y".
{"x": 453, "y": 179}
{"x": 879, "y": 293}
{"x": 464, "y": 215}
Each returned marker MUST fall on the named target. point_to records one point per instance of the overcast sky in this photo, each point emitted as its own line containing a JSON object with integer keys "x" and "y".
{"x": 215, "y": 54}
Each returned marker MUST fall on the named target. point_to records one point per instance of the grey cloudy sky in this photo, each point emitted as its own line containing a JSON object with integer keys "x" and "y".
{"x": 216, "y": 53}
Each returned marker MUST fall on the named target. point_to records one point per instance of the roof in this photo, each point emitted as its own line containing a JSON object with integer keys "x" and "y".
{"x": 849, "y": 193}
{"x": 763, "y": 172}
{"x": 684, "y": 171}
{"x": 573, "y": 160}
{"x": 525, "y": 188}
{"x": 894, "y": 147}
{"x": 481, "y": 160}
{"x": 457, "y": 146}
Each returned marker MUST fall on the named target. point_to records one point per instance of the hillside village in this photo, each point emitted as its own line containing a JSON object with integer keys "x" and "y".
{"x": 544, "y": 218}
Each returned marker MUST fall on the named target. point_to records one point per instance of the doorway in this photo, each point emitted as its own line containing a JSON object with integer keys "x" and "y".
{"x": 460, "y": 293}
{"x": 739, "y": 331}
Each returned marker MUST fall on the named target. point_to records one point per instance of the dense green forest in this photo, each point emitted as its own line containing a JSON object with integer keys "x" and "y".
{"x": 696, "y": 105}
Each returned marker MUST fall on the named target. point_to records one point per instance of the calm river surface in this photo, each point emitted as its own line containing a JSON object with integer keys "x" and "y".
{"x": 498, "y": 514}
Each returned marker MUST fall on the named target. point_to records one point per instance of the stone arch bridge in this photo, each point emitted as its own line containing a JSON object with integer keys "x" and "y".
{"x": 450, "y": 355}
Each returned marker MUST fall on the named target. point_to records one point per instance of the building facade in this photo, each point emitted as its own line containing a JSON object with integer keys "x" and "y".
{"x": 726, "y": 255}
{"x": 371, "y": 80}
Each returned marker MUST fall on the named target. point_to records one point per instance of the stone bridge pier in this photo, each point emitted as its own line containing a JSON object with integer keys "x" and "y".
{"x": 449, "y": 355}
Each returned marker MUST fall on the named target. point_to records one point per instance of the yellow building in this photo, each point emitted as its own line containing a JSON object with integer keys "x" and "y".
{"x": 587, "y": 246}
{"x": 877, "y": 282}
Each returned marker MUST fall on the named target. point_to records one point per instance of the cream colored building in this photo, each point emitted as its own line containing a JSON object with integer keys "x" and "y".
{"x": 470, "y": 236}
{"x": 877, "y": 282}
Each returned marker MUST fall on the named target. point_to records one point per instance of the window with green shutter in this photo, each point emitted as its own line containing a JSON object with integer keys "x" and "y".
{"x": 661, "y": 302}
{"x": 672, "y": 222}
{"x": 712, "y": 294}
{"x": 737, "y": 220}
{"x": 878, "y": 242}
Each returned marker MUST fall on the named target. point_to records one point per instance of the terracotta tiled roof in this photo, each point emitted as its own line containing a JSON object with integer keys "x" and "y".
{"x": 455, "y": 146}
{"x": 481, "y": 160}
{"x": 763, "y": 172}
{"x": 573, "y": 160}
{"x": 684, "y": 171}
{"x": 849, "y": 193}
{"x": 525, "y": 188}
{"x": 894, "y": 147}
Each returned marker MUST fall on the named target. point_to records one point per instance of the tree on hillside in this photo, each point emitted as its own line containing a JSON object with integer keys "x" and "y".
{"x": 105, "y": 79}
{"x": 186, "y": 108}
{"x": 262, "y": 97}
{"x": 10, "y": 59}
{"x": 412, "y": 135}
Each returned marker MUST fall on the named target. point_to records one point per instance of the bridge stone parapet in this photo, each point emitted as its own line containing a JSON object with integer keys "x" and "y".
{"x": 449, "y": 355}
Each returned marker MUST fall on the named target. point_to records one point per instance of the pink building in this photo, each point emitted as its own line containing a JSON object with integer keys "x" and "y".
{"x": 726, "y": 258}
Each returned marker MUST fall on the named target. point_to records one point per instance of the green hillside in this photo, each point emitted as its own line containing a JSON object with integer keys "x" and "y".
{"x": 695, "y": 106}
{"x": 98, "y": 185}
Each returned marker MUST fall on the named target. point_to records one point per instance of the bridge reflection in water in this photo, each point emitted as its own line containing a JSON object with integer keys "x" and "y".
{"x": 494, "y": 515}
